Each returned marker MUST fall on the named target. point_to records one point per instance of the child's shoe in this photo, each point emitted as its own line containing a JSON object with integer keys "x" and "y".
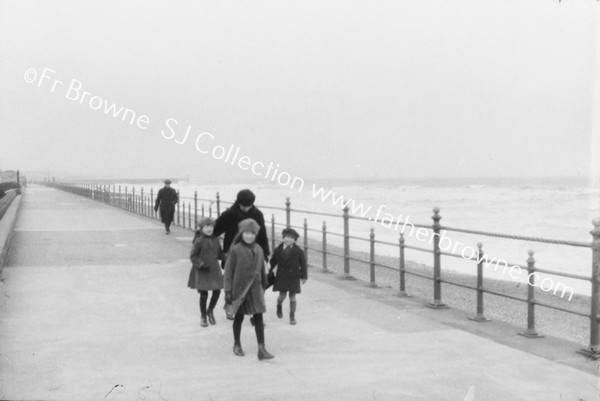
{"x": 237, "y": 349}
{"x": 279, "y": 311}
{"x": 203, "y": 321}
{"x": 211, "y": 317}
{"x": 263, "y": 353}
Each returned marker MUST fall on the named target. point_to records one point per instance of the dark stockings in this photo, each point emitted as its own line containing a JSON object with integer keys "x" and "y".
{"x": 258, "y": 327}
{"x": 213, "y": 300}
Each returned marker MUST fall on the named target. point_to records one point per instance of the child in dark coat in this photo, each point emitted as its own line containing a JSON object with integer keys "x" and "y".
{"x": 206, "y": 273}
{"x": 291, "y": 270}
{"x": 245, "y": 281}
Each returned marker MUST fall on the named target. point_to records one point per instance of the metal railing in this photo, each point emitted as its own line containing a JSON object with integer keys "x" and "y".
{"x": 190, "y": 209}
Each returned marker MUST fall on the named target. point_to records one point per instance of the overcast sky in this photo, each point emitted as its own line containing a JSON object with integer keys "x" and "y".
{"x": 328, "y": 88}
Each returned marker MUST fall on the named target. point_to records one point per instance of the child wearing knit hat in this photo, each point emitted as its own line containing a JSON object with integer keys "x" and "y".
{"x": 245, "y": 280}
{"x": 206, "y": 274}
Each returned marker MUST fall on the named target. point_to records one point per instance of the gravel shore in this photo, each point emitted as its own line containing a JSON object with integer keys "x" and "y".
{"x": 547, "y": 321}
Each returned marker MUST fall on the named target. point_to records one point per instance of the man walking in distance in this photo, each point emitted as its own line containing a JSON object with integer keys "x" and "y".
{"x": 166, "y": 199}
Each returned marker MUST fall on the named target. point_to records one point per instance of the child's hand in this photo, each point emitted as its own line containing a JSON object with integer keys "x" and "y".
{"x": 227, "y": 297}
{"x": 303, "y": 281}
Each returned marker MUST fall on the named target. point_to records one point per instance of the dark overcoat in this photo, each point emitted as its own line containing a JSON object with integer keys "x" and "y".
{"x": 228, "y": 221}
{"x": 166, "y": 199}
{"x": 245, "y": 278}
{"x": 291, "y": 267}
{"x": 206, "y": 251}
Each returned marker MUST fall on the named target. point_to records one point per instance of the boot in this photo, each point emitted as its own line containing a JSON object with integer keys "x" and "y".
{"x": 203, "y": 321}
{"x": 279, "y": 311}
{"x": 237, "y": 349}
{"x": 263, "y": 353}
{"x": 293, "y": 313}
{"x": 211, "y": 317}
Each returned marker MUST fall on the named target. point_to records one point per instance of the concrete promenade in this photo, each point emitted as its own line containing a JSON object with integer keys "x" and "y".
{"x": 95, "y": 307}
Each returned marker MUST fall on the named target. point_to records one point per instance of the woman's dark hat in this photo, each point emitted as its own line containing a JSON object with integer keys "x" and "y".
{"x": 290, "y": 232}
{"x": 245, "y": 197}
{"x": 167, "y": 181}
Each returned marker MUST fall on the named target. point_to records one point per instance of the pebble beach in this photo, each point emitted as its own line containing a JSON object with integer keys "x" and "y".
{"x": 548, "y": 322}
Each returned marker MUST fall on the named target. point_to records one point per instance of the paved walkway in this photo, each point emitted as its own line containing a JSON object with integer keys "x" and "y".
{"x": 95, "y": 307}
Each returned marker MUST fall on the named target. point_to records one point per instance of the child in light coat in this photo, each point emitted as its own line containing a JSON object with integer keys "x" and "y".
{"x": 245, "y": 280}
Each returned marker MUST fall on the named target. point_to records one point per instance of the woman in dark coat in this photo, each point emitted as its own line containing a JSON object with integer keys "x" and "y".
{"x": 166, "y": 199}
{"x": 291, "y": 270}
{"x": 205, "y": 274}
{"x": 245, "y": 281}
{"x": 242, "y": 209}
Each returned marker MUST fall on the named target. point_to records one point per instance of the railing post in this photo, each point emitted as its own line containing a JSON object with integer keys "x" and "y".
{"x": 190, "y": 215}
{"x": 306, "y": 239}
{"x": 530, "y": 332}
{"x": 273, "y": 232}
{"x": 120, "y": 198}
{"x": 324, "y": 244}
{"x": 480, "y": 317}
{"x": 437, "y": 263}
{"x": 112, "y": 195}
{"x": 287, "y": 212}
{"x": 346, "y": 217}
{"x": 178, "y": 207}
{"x": 133, "y": 199}
{"x": 152, "y": 203}
{"x": 202, "y": 209}
{"x": 594, "y": 349}
{"x": 142, "y": 205}
{"x": 372, "y": 258}
{"x": 195, "y": 209}
{"x": 126, "y": 199}
{"x": 218, "y": 204}
{"x": 210, "y": 210}
{"x": 183, "y": 214}
{"x": 402, "y": 267}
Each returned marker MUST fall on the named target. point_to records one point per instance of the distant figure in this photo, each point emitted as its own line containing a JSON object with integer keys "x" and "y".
{"x": 245, "y": 280}
{"x": 291, "y": 270}
{"x": 242, "y": 209}
{"x": 166, "y": 199}
{"x": 205, "y": 274}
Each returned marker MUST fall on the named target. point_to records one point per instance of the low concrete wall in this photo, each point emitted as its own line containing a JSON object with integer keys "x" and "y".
{"x": 6, "y": 200}
{"x": 7, "y": 225}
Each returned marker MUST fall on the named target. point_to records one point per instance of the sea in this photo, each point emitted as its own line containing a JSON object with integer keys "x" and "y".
{"x": 558, "y": 208}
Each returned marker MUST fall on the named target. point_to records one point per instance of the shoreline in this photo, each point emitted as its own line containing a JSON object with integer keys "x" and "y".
{"x": 548, "y": 321}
